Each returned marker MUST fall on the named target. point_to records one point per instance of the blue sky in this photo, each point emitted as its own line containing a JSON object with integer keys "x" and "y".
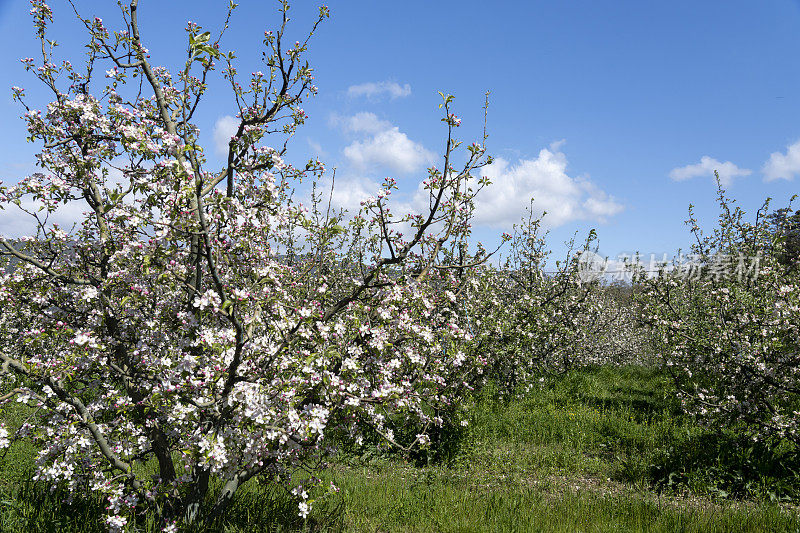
{"x": 611, "y": 114}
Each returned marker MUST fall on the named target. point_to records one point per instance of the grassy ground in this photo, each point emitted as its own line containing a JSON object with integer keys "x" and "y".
{"x": 602, "y": 449}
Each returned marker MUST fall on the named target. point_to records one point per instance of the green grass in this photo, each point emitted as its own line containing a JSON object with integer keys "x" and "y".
{"x": 602, "y": 449}
{"x": 436, "y": 501}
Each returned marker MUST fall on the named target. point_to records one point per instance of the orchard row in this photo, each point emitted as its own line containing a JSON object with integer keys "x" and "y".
{"x": 204, "y": 320}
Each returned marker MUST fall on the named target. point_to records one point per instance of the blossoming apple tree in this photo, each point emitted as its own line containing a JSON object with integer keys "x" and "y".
{"x": 729, "y": 326}
{"x": 200, "y": 319}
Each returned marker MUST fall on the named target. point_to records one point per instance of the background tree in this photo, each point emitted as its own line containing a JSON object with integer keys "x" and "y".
{"x": 785, "y": 225}
{"x": 729, "y": 325}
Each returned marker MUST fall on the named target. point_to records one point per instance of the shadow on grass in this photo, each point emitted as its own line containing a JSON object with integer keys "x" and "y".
{"x": 644, "y": 406}
{"x": 730, "y": 466}
{"x": 258, "y": 507}
{"x": 644, "y": 392}
{"x": 34, "y": 507}
{"x": 269, "y": 508}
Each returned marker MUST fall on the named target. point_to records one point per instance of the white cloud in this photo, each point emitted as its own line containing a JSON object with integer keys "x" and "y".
{"x": 316, "y": 148}
{"x": 506, "y": 201}
{"x": 348, "y": 193}
{"x": 374, "y": 90}
{"x": 225, "y": 128}
{"x": 363, "y": 122}
{"x": 382, "y": 145}
{"x": 783, "y": 166}
{"x": 15, "y": 223}
{"x": 390, "y": 148}
{"x": 351, "y": 190}
{"x": 545, "y": 179}
{"x": 706, "y": 167}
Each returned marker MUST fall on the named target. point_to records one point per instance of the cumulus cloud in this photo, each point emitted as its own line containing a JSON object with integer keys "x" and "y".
{"x": 783, "y": 166}
{"x": 351, "y": 190}
{"x": 545, "y": 180}
{"x": 506, "y": 201}
{"x": 363, "y": 122}
{"x": 348, "y": 193}
{"x": 316, "y": 148}
{"x": 374, "y": 90}
{"x": 390, "y": 148}
{"x": 382, "y": 145}
{"x": 15, "y": 222}
{"x": 706, "y": 167}
{"x": 225, "y": 128}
